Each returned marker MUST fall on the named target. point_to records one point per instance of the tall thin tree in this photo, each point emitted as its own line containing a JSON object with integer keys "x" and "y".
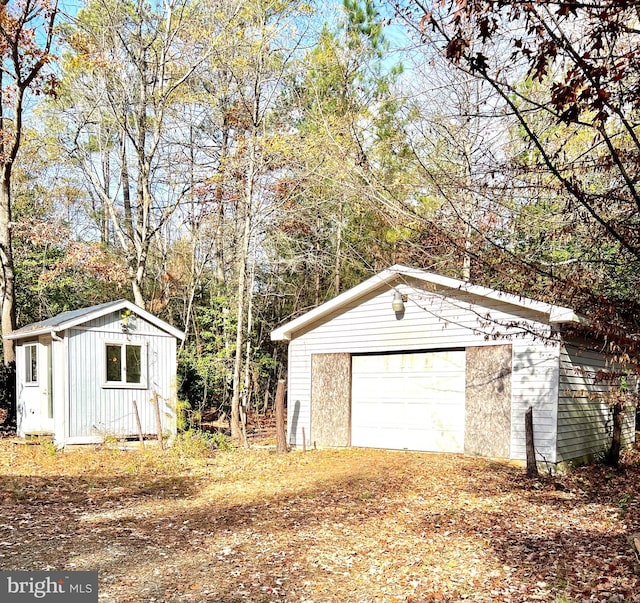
{"x": 26, "y": 37}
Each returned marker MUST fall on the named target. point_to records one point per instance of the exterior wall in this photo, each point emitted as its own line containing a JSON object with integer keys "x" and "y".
{"x": 535, "y": 384}
{"x": 433, "y": 321}
{"x": 60, "y": 387}
{"x": 96, "y": 410}
{"x": 585, "y": 421}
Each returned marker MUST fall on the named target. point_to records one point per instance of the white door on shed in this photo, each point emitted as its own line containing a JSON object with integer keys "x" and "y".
{"x": 409, "y": 401}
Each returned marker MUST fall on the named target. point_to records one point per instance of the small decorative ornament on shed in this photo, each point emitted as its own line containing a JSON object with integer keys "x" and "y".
{"x": 128, "y": 321}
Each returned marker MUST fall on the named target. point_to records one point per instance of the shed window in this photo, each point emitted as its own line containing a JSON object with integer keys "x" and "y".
{"x": 125, "y": 365}
{"x": 31, "y": 364}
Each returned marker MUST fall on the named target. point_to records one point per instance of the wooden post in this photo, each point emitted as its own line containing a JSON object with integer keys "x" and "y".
{"x": 304, "y": 441}
{"x": 155, "y": 400}
{"x": 281, "y": 435}
{"x": 613, "y": 454}
{"x": 532, "y": 467}
{"x": 138, "y": 423}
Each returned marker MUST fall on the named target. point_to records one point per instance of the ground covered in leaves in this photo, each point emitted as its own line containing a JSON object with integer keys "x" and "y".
{"x": 337, "y": 526}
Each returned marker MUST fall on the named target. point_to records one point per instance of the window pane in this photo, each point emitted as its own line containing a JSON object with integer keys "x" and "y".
{"x": 34, "y": 364}
{"x": 27, "y": 363}
{"x": 31, "y": 364}
{"x": 114, "y": 363}
{"x": 134, "y": 364}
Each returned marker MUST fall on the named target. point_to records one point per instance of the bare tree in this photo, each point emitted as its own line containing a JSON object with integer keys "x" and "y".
{"x": 566, "y": 74}
{"x": 26, "y": 36}
{"x": 128, "y": 68}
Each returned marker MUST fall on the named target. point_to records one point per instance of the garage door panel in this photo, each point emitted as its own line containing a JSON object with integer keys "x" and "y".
{"x": 440, "y": 416}
{"x": 411, "y": 439}
{"x": 413, "y": 401}
{"x": 428, "y": 362}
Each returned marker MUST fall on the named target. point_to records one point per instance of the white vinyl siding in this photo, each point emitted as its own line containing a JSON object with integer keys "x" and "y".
{"x": 585, "y": 422}
{"x": 535, "y": 384}
{"x": 97, "y": 411}
{"x": 433, "y": 320}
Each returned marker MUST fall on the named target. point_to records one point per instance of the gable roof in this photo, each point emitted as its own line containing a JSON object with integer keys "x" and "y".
{"x": 72, "y": 318}
{"x": 395, "y": 275}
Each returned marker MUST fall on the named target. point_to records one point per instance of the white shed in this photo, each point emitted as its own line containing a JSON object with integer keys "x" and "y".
{"x": 79, "y": 373}
{"x": 451, "y": 367}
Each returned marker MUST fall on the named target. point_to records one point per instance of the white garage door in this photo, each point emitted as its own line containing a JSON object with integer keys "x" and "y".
{"x": 412, "y": 401}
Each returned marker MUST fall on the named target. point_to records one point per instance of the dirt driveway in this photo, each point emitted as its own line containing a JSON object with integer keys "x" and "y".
{"x": 342, "y": 526}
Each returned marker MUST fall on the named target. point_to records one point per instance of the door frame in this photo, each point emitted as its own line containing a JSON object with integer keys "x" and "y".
{"x": 36, "y": 399}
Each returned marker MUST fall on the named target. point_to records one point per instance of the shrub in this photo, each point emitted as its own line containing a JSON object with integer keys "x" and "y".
{"x": 8, "y": 393}
{"x": 197, "y": 444}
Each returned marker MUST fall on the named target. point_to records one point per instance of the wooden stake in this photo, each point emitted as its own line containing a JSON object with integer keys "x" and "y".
{"x": 613, "y": 454}
{"x": 138, "y": 423}
{"x": 155, "y": 400}
{"x": 304, "y": 441}
{"x": 281, "y": 435}
{"x": 532, "y": 467}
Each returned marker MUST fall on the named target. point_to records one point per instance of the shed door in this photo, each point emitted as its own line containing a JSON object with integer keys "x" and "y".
{"x": 34, "y": 387}
{"x": 414, "y": 401}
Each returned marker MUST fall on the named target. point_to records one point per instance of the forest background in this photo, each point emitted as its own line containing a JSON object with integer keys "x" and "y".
{"x": 230, "y": 165}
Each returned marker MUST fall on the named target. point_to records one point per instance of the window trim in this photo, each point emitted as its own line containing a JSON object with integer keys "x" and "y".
{"x": 28, "y": 373}
{"x": 123, "y": 384}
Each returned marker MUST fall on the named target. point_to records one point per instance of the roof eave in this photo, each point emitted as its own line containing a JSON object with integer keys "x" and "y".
{"x": 34, "y": 333}
{"x": 69, "y": 324}
{"x": 285, "y": 332}
{"x": 559, "y": 315}
{"x": 555, "y": 314}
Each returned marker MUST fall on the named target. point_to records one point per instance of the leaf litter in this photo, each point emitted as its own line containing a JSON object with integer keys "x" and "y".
{"x": 326, "y": 526}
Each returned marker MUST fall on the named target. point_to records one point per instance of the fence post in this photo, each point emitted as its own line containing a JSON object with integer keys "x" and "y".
{"x": 532, "y": 466}
{"x": 281, "y": 436}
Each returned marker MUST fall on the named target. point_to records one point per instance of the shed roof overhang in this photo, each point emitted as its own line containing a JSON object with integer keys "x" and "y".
{"x": 397, "y": 274}
{"x": 73, "y": 318}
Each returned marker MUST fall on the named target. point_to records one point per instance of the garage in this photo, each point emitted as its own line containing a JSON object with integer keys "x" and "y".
{"x": 413, "y": 401}
{"x": 413, "y": 360}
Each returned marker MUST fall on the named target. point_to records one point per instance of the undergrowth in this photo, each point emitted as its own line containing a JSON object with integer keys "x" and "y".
{"x": 198, "y": 444}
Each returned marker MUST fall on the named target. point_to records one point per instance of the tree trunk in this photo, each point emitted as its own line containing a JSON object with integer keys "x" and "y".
{"x": 281, "y": 435}
{"x": 137, "y": 282}
{"x": 338, "y": 262}
{"x": 237, "y": 431}
{"x": 613, "y": 455}
{"x": 138, "y": 296}
{"x": 219, "y": 198}
{"x": 532, "y": 466}
{"x": 236, "y": 422}
{"x": 126, "y": 187}
{"x": 7, "y": 284}
{"x": 137, "y": 266}
{"x": 466, "y": 259}
{"x": 246, "y": 392}
{"x": 317, "y": 250}
{"x": 103, "y": 212}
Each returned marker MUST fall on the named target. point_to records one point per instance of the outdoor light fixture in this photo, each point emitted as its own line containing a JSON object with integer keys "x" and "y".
{"x": 398, "y": 303}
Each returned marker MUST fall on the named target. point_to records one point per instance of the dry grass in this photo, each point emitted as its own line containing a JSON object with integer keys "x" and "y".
{"x": 336, "y": 526}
